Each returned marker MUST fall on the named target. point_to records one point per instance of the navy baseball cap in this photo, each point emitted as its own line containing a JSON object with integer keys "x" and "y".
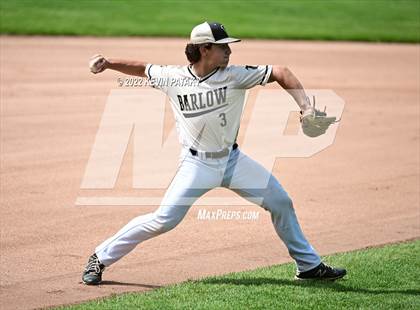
{"x": 211, "y": 32}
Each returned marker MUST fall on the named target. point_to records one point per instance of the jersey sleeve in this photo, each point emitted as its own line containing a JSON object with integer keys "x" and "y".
{"x": 158, "y": 76}
{"x": 250, "y": 76}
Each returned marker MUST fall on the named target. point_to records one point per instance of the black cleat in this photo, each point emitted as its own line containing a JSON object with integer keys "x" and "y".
{"x": 93, "y": 271}
{"x": 322, "y": 272}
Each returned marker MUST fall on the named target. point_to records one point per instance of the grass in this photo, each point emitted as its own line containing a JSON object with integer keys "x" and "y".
{"x": 358, "y": 20}
{"x": 378, "y": 278}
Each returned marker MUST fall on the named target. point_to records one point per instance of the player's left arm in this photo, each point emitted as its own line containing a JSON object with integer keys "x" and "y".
{"x": 286, "y": 79}
{"x": 314, "y": 122}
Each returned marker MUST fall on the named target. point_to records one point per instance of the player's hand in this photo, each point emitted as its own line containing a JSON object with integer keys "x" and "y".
{"x": 315, "y": 122}
{"x": 97, "y": 64}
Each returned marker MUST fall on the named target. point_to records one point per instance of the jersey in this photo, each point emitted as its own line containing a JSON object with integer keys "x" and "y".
{"x": 207, "y": 109}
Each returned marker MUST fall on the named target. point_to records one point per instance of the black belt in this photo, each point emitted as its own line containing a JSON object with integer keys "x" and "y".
{"x": 219, "y": 154}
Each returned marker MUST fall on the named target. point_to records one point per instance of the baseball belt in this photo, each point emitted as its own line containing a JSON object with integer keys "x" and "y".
{"x": 214, "y": 155}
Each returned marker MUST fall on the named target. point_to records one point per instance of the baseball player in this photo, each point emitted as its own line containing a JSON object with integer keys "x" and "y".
{"x": 207, "y": 116}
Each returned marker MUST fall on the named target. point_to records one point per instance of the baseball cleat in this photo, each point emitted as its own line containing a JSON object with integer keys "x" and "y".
{"x": 322, "y": 272}
{"x": 93, "y": 271}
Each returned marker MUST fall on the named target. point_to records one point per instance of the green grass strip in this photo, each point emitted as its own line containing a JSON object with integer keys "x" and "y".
{"x": 355, "y": 20}
{"x": 378, "y": 278}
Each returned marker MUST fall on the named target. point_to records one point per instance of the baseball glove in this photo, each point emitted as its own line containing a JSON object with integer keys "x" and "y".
{"x": 315, "y": 122}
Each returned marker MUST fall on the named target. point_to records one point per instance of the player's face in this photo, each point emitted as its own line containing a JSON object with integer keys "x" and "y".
{"x": 219, "y": 53}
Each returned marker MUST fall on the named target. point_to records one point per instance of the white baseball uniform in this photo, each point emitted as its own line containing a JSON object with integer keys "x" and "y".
{"x": 207, "y": 117}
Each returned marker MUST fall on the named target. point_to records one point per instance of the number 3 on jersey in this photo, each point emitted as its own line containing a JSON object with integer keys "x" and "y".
{"x": 223, "y": 118}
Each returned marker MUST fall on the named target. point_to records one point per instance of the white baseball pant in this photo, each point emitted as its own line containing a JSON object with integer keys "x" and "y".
{"x": 196, "y": 176}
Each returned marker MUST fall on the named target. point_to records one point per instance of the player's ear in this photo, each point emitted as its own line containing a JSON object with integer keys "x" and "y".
{"x": 204, "y": 49}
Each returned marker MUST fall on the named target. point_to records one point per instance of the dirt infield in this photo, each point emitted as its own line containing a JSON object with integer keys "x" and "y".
{"x": 362, "y": 191}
